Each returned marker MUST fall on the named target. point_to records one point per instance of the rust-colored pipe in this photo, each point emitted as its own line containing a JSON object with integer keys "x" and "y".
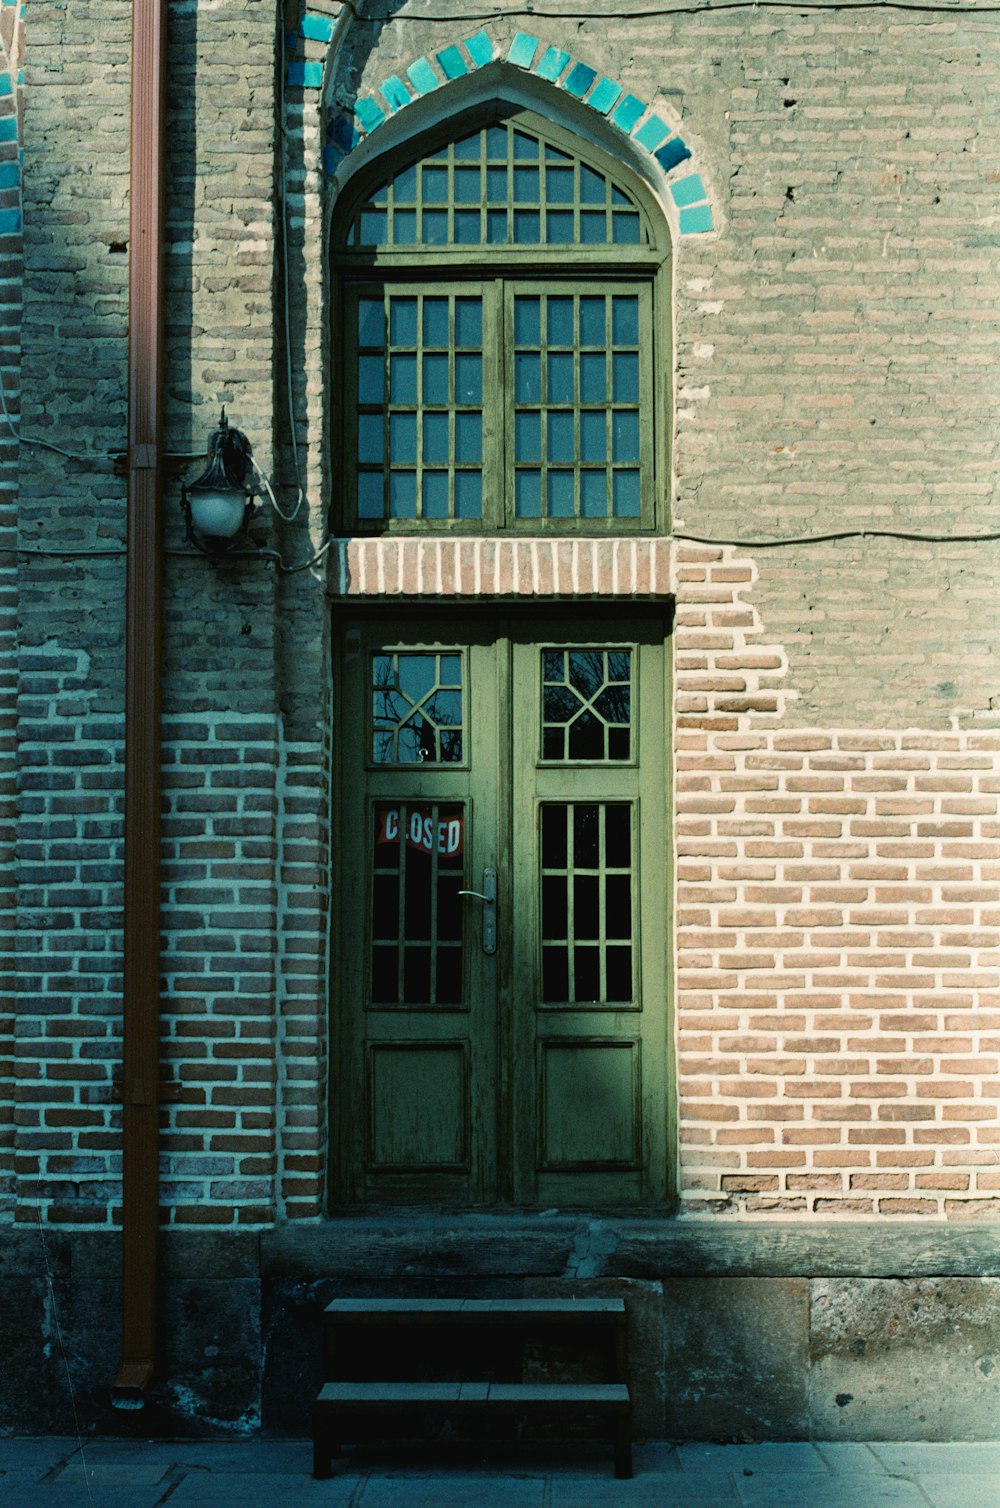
{"x": 143, "y": 592}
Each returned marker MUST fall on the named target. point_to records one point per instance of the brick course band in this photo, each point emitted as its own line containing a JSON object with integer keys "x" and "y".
{"x": 543, "y": 568}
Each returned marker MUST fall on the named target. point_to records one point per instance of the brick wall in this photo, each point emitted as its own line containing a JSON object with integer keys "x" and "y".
{"x": 835, "y": 744}
{"x": 11, "y": 47}
{"x": 838, "y": 940}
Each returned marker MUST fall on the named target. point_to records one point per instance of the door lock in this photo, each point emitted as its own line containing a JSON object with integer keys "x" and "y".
{"x": 488, "y": 896}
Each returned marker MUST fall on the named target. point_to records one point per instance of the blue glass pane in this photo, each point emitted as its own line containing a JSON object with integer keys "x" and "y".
{"x": 617, "y": 197}
{"x": 625, "y": 433}
{"x": 468, "y": 149}
{"x": 593, "y": 437}
{"x": 626, "y": 229}
{"x": 435, "y": 322}
{"x": 468, "y": 438}
{"x": 404, "y": 187}
{"x": 496, "y": 185}
{"x": 593, "y": 227}
{"x": 404, "y": 227}
{"x": 527, "y": 224}
{"x": 527, "y": 436}
{"x": 527, "y": 494}
{"x": 496, "y": 227}
{"x": 559, "y": 321}
{"x": 559, "y": 227}
{"x": 435, "y": 494}
{"x": 403, "y": 322}
{"x": 559, "y": 185}
{"x": 450, "y": 670}
{"x": 496, "y": 142}
{"x": 403, "y": 379}
{"x": 561, "y": 444}
{"x": 435, "y": 379}
{"x": 371, "y": 322}
{"x": 468, "y": 379}
{"x": 468, "y": 494}
{"x": 374, "y": 227}
{"x": 625, "y": 376}
{"x": 468, "y": 227}
{"x": 527, "y": 377}
{"x": 593, "y": 378}
{"x": 371, "y": 439}
{"x": 468, "y": 189}
{"x": 436, "y": 439}
{"x": 625, "y": 490}
{"x": 625, "y": 320}
{"x": 560, "y": 374}
{"x": 435, "y": 227}
{"x": 525, "y": 147}
{"x": 593, "y": 494}
{"x": 553, "y": 154}
{"x": 381, "y": 195}
{"x": 526, "y": 185}
{"x": 592, "y": 312}
{"x": 592, "y": 186}
{"x": 527, "y": 321}
{"x": 371, "y": 379}
{"x": 403, "y": 438}
{"x": 435, "y": 186}
{"x": 370, "y": 495}
{"x": 469, "y": 322}
{"x": 559, "y": 490}
{"x": 403, "y": 494}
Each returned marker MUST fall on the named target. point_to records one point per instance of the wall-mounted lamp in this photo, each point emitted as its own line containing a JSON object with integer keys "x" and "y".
{"x": 218, "y": 506}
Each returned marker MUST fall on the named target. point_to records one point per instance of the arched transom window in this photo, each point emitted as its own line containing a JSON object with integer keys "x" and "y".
{"x": 501, "y": 332}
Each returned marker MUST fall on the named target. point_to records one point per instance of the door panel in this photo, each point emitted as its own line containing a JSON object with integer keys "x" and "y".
{"x": 503, "y": 1038}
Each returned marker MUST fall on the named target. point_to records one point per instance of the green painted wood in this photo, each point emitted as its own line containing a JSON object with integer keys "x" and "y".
{"x": 511, "y": 1091}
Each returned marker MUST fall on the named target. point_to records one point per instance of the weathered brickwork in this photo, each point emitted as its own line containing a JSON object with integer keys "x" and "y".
{"x": 11, "y": 43}
{"x": 838, "y": 940}
{"x": 835, "y": 935}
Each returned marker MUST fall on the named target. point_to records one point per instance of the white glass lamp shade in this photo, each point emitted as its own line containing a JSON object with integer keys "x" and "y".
{"x": 217, "y": 514}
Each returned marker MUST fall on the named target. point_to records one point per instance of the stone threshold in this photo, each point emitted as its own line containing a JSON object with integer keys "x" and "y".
{"x": 627, "y": 568}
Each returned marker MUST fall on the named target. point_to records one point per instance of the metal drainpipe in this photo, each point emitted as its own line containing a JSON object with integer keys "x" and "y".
{"x": 141, "y": 990}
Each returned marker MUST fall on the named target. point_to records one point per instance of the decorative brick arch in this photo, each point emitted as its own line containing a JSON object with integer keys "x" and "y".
{"x": 314, "y": 46}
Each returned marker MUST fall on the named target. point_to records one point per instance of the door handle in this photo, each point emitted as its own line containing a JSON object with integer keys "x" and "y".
{"x": 488, "y": 896}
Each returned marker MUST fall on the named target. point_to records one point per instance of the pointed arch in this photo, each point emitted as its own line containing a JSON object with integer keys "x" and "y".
{"x": 464, "y": 70}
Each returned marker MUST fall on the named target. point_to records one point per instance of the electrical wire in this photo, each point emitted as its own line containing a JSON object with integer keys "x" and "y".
{"x": 744, "y": 542}
{"x": 658, "y": 12}
{"x": 15, "y": 430}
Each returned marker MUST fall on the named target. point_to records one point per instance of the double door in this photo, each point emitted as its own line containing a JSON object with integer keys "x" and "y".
{"x": 500, "y": 1021}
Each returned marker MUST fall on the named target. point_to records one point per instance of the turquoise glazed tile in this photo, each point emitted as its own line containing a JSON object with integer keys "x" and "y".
{"x": 606, "y": 91}
{"x": 395, "y": 92}
{"x": 343, "y": 134}
{"x": 305, "y": 75}
{"x": 579, "y": 80}
{"x": 522, "y": 49}
{"x": 6, "y": 87}
{"x": 422, "y": 76}
{"x": 651, "y": 133}
{"x": 8, "y": 128}
{"x": 688, "y": 190}
{"x": 10, "y": 222}
{"x": 628, "y": 112}
{"x": 10, "y": 175}
{"x": 452, "y": 63}
{"x": 696, "y": 219}
{"x": 553, "y": 62}
{"x": 316, "y": 28}
{"x": 332, "y": 158}
{"x": 368, "y": 115}
{"x": 480, "y": 49}
{"x": 671, "y": 155}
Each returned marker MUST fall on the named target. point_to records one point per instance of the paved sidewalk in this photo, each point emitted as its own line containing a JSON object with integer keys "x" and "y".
{"x": 57, "y": 1473}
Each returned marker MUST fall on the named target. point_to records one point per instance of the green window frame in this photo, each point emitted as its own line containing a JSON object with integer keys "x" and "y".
{"x": 498, "y": 369}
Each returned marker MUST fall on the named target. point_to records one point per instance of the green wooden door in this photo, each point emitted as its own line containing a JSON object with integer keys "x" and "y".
{"x": 501, "y": 1021}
